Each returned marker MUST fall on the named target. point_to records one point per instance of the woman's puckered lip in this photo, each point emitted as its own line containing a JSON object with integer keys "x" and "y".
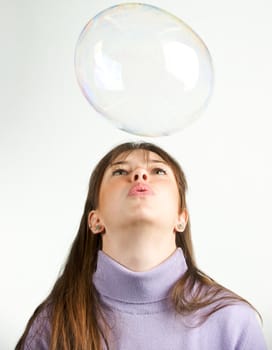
{"x": 140, "y": 189}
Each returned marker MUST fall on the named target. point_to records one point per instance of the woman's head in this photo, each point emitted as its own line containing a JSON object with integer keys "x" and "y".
{"x": 183, "y": 239}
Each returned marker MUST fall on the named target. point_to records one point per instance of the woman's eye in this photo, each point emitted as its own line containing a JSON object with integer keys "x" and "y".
{"x": 159, "y": 171}
{"x": 119, "y": 172}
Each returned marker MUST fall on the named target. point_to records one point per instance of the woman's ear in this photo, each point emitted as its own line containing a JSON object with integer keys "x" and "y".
{"x": 94, "y": 222}
{"x": 181, "y": 221}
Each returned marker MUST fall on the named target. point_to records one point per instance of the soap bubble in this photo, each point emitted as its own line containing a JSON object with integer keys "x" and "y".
{"x": 143, "y": 69}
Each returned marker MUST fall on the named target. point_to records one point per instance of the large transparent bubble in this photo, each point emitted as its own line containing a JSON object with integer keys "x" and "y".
{"x": 143, "y": 69}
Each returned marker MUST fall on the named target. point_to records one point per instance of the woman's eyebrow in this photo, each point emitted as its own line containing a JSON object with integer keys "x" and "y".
{"x": 119, "y": 163}
{"x": 158, "y": 161}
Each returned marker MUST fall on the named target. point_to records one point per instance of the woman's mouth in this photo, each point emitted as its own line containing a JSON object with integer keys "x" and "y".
{"x": 140, "y": 190}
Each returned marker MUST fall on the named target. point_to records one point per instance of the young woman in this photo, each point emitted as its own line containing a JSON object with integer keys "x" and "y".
{"x": 130, "y": 281}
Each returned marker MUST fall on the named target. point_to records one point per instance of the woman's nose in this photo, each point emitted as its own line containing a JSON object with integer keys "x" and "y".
{"x": 140, "y": 174}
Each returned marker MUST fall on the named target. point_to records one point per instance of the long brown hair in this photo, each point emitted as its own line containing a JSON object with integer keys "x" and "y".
{"x": 76, "y": 315}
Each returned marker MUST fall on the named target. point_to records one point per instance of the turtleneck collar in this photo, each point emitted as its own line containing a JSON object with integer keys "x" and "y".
{"x": 117, "y": 283}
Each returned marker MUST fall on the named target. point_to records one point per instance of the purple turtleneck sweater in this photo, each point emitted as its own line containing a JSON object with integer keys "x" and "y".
{"x": 143, "y": 318}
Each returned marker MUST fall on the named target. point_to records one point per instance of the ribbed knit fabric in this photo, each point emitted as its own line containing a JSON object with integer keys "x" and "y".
{"x": 142, "y": 316}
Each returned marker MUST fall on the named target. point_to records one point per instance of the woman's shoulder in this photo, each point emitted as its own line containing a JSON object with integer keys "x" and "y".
{"x": 240, "y": 322}
{"x": 237, "y": 313}
{"x": 39, "y": 334}
{"x": 240, "y": 311}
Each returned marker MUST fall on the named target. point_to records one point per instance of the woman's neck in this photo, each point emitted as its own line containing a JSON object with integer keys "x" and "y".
{"x": 139, "y": 251}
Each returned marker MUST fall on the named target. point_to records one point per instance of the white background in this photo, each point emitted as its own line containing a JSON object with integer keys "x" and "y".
{"x": 50, "y": 139}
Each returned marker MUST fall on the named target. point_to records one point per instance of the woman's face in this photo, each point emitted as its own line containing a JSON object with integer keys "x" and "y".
{"x": 138, "y": 188}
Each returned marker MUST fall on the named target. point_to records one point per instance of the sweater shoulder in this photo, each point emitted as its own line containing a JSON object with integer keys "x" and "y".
{"x": 238, "y": 315}
{"x": 241, "y": 324}
{"x": 39, "y": 334}
{"x": 238, "y": 308}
